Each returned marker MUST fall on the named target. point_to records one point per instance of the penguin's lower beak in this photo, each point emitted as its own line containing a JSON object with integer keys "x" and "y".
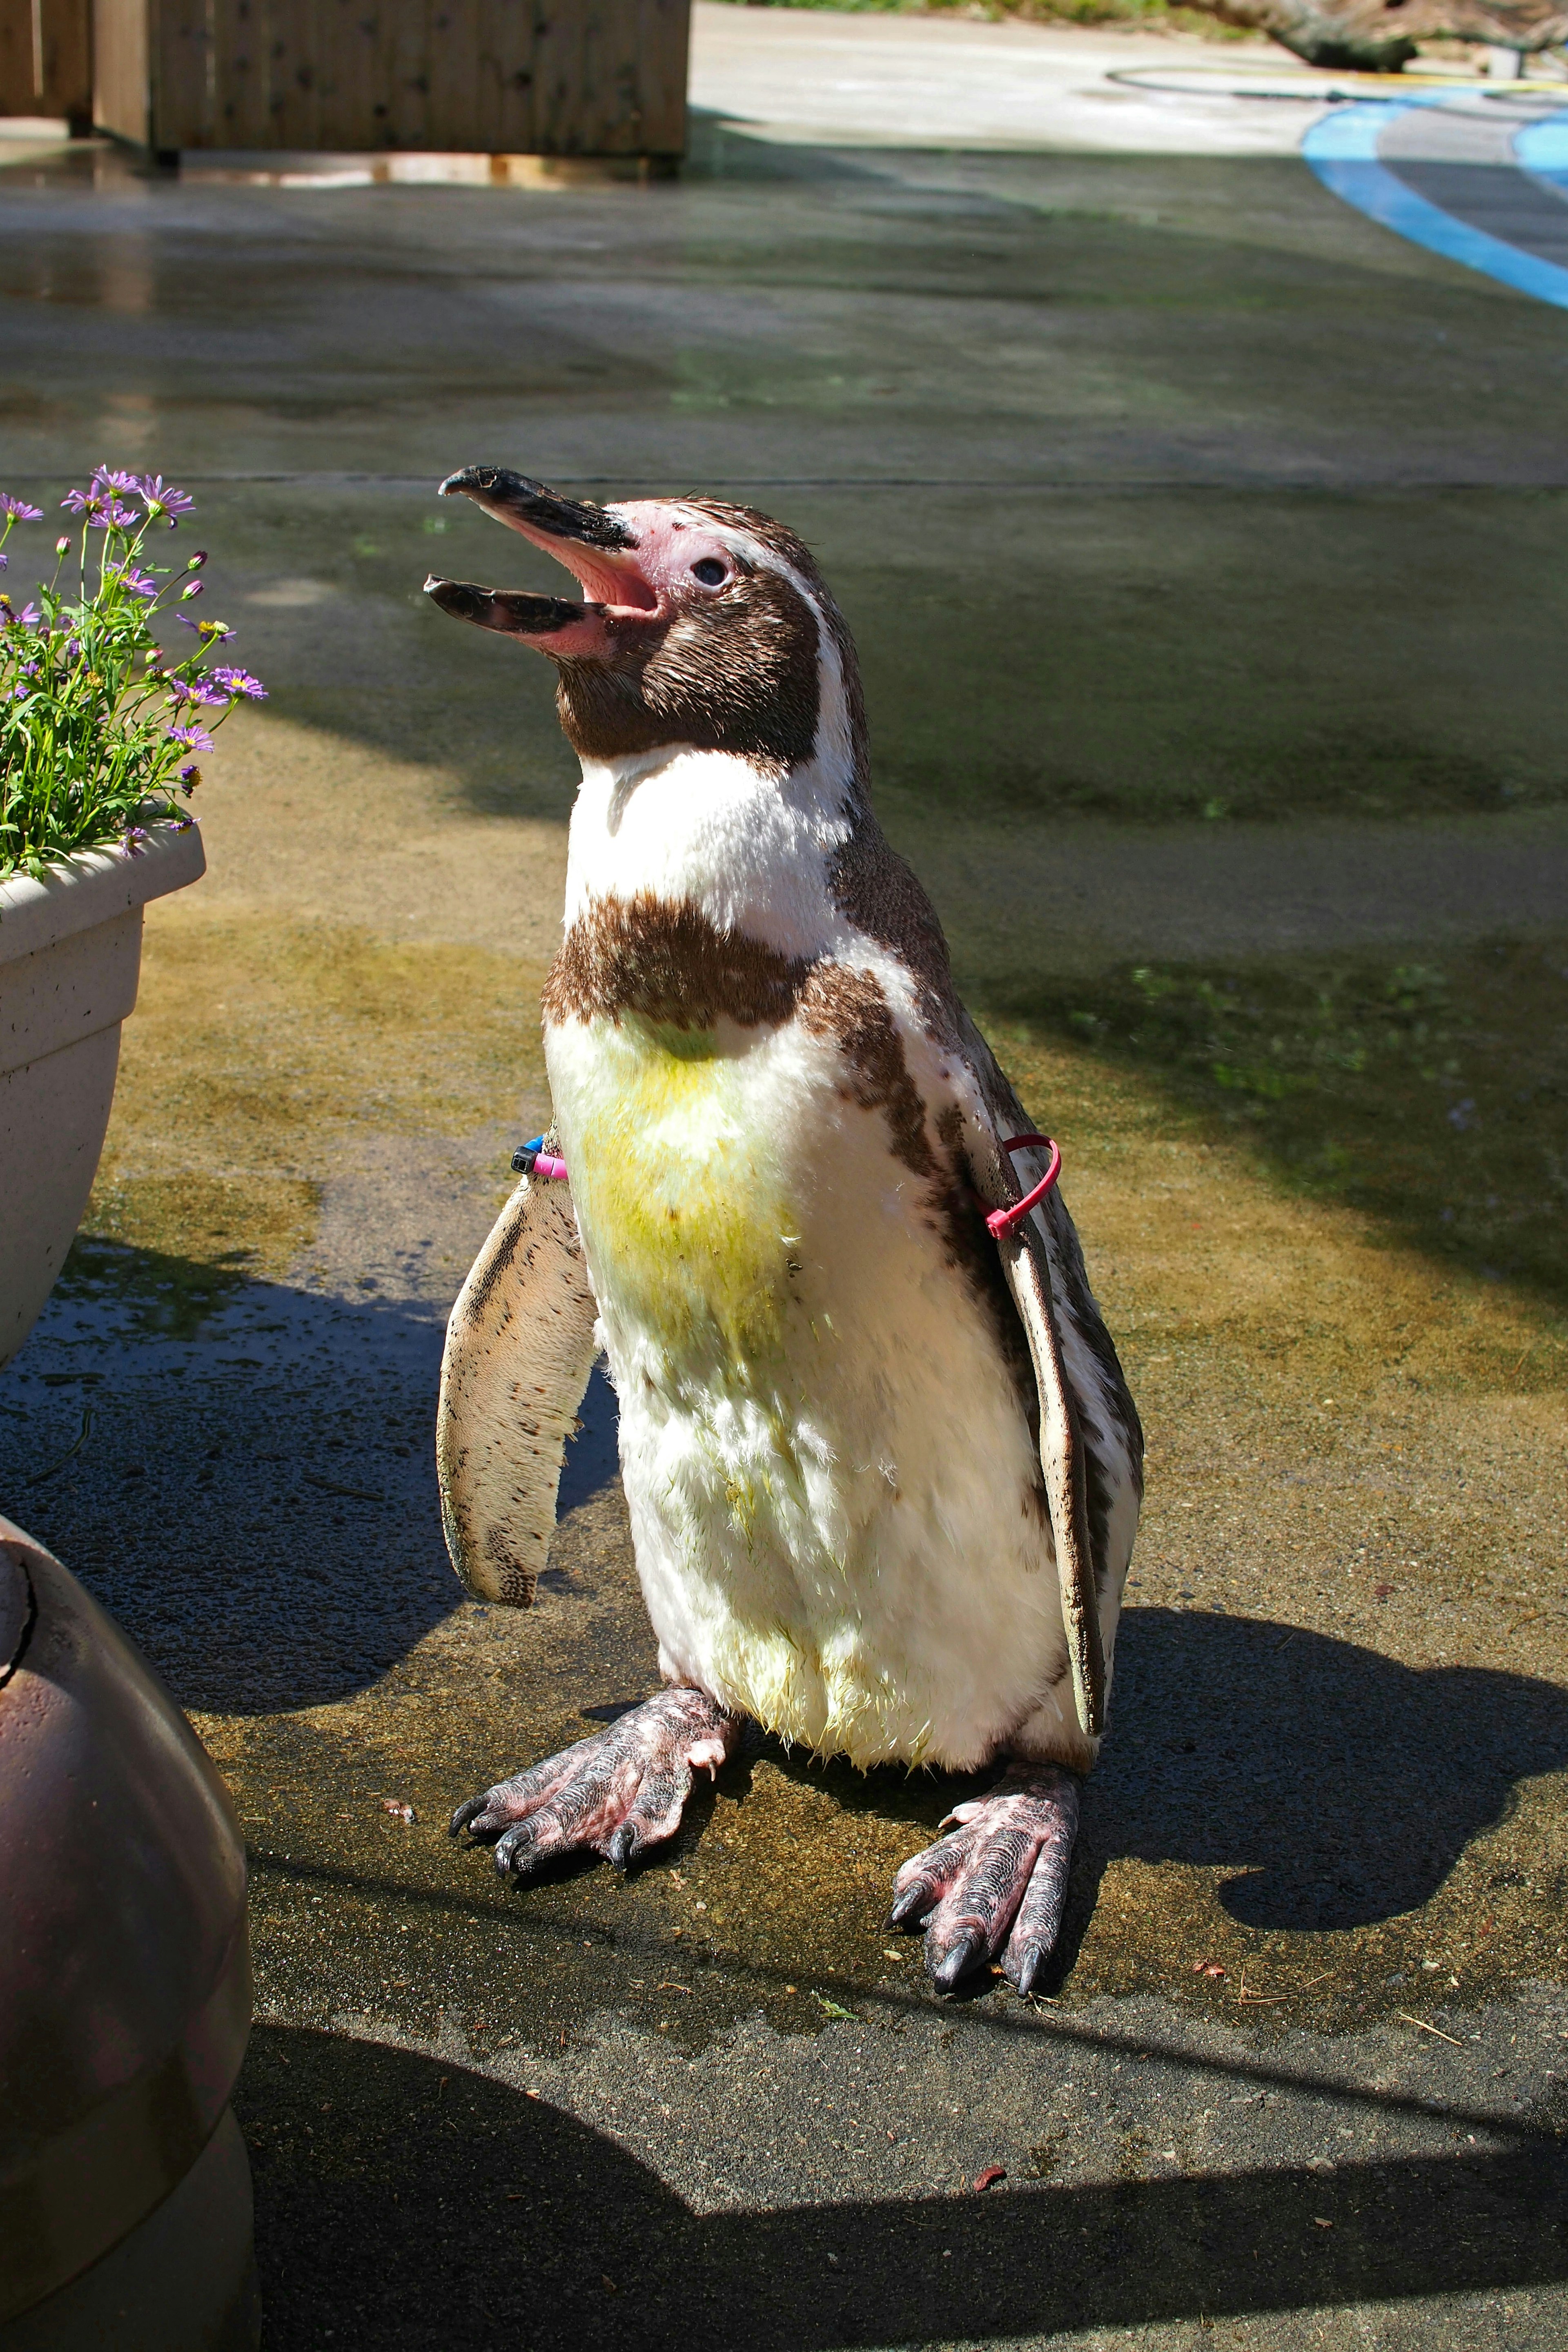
{"x": 549, "y": 622}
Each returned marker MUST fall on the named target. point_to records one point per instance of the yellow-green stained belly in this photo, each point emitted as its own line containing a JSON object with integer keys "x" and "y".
{"x": 677, "y": 1186}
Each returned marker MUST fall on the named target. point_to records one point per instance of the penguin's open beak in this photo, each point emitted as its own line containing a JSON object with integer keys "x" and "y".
{"x": 596, "y": 547}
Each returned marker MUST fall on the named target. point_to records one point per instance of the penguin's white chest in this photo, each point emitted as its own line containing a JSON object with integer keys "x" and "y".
{"x": 833, "y": 1488}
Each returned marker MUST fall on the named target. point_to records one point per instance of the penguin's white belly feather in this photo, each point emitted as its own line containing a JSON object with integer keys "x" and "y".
{"x": 833, "y": 1488}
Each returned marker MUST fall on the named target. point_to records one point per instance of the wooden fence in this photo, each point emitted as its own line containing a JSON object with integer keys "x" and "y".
{"x": 507, "y": 76}
{"x": 497, "y": 76}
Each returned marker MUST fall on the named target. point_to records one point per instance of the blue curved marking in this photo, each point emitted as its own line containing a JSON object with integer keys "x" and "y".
{"x": 1341, "y": 149}
{"x": 1541, "y": 148}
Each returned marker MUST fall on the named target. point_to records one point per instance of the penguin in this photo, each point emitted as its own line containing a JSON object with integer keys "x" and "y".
{"x": 882, "y": 1468}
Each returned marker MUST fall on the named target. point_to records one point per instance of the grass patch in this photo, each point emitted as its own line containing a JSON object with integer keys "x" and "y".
{"x": 1432, "y": 1096}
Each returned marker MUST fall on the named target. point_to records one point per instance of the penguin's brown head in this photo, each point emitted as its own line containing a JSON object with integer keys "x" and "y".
{"x": 702, "y": 624}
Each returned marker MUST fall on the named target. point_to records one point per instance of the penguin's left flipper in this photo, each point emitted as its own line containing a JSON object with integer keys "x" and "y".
{"x": 520, "y": 1347}
{"x": 998, "y": 1882}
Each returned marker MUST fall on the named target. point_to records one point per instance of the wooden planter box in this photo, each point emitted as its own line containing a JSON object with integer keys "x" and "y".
{"x": 456, "y": 76}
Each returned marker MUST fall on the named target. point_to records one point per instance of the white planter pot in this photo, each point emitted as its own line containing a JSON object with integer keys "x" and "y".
{"x": 70, "y": 955}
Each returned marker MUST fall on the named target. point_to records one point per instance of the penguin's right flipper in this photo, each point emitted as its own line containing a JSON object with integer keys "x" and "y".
{"x": 520, "y": 1347}
{"x": 1089, "y": 1425}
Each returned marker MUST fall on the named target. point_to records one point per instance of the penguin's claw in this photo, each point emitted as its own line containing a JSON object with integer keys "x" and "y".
{"x": 615, "y": 1793}
{"x": 997, "y": 1883}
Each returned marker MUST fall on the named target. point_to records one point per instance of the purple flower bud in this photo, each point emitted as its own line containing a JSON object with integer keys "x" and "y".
{"x": 191, "y": 588}
{"x": 198, "y": 559}
{"x": 62, "y": 545}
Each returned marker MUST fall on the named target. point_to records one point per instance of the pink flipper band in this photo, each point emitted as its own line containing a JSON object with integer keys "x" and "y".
{"x": 546, "y": 1165}
{"x": 1000, "y": 1222}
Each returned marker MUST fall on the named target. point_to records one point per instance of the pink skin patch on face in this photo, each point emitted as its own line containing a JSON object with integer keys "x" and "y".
{"x": 674, "y": 563}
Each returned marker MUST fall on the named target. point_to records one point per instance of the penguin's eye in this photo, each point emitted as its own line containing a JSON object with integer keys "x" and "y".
{"x": 710, "y": 572}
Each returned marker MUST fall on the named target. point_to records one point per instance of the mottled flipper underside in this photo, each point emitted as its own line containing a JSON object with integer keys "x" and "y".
{"x": 519, "y": 1346}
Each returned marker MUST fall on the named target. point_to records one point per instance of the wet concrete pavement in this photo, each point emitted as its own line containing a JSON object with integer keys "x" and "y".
{"x": 1203, "y": 545}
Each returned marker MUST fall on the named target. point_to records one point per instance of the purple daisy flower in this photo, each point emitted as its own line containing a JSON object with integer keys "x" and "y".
{"x": 111, "y": 516}
{"x": 189, "y": 775}
{"x": 136, "y": 839}
{"x": 196, "y": 689}
{"x": 10, "y": 617}
{"x": 190, "y": 739}
{"x": 80, "y": 501}
{"x": 135, "y": 583}
{"x": 163, "y": 498}
{"x": 17, "y": 510}
{"x": 239, "y": 682}
{"x": 114, "y": 477}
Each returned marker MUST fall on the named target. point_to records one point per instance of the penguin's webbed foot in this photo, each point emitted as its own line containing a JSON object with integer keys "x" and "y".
{"x": 998, "y": 1882}
{"x": 616, "y": 1793}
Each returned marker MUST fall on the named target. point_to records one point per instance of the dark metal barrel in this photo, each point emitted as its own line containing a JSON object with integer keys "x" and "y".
{"x": 124, "y": 1994}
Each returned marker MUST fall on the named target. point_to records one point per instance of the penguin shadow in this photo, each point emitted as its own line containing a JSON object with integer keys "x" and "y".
{"x": 1338, "y": 1786}
{"x": 243, "y": 1472}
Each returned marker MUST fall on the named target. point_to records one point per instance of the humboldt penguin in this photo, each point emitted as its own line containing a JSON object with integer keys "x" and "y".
{"x": 882, "y": 1468}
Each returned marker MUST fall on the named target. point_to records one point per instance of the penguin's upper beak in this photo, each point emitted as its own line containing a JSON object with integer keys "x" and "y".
{"x": 598, "y": 548}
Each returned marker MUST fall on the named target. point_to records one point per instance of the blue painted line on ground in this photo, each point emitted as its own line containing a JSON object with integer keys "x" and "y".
{"x": 1541, "y": 148}
{"x": 1341, "y": 149}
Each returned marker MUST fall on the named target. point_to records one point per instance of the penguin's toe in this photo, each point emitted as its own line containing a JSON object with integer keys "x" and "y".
{"x": 997, "y": 1883}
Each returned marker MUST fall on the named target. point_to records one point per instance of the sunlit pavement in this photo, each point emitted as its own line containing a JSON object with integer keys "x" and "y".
{"x": 1202, "y": 540}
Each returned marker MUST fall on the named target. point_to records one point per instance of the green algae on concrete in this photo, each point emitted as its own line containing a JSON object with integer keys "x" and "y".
{"x": 260, "y": 1053}
{"x": 1429, "y": 1090}
{"x": 1337, "y": 1730}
